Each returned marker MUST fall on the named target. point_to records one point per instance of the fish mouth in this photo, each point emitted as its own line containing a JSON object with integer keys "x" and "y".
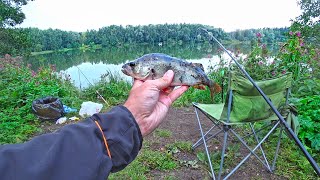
{"x": 127, "y": 70}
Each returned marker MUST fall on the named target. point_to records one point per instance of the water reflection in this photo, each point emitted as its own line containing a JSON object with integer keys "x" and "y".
{"x": 98, "y": 62}
{"x": 86, "y": 73}
{"x": 89, "y": 73}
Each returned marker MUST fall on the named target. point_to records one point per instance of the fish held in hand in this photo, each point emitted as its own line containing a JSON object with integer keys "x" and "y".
{"x": 155, "y": 65}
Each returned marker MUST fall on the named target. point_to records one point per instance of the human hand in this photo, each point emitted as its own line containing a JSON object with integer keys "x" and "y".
{"x": 149, "y": 103}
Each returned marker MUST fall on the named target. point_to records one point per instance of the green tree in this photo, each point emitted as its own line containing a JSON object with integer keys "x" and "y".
{"x": 10, "y": 12}
{"x": 310, "y": 12}
{"x": 13, "y": 41}
{"x": 309, "y": 21}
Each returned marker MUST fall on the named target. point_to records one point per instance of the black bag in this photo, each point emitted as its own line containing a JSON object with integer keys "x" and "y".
{"x": 48, "y": 108}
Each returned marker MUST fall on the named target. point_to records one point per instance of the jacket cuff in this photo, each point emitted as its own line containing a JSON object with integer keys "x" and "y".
{"x": 123, "y": 135}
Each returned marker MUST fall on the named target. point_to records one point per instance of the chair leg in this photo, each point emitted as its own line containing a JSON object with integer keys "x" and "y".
{"x": 252, "y": 151}
{"x": 205, "y": 145}
{"x": 277, "y": 150}
{"x": 261, "y": 149}
{"x": 199, "y": 142}
{"x": 226, "y": 129}
{"x": 245, "y": 144}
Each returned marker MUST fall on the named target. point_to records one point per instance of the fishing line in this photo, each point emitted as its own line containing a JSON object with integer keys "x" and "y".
{"x": 92, "y": 85}
{"x": 295, "y": 138}
{"x": 79, "y": 78}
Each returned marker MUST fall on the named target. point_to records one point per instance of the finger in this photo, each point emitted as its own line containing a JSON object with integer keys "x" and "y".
{"x": 165, "y": 81}
{"x": 168, "y": 100}
{"x": 175, "y": 94}
{"x": 136, "y": 83}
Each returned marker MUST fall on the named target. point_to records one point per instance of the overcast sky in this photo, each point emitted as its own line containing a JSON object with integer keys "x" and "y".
{"x": 80, "y": 15}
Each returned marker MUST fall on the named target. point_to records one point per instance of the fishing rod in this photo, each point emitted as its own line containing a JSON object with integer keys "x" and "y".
{"x": 295, "y": 138}
{"x": 92, "y": 85}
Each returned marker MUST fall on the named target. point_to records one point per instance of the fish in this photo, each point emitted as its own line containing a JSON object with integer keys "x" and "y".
{"x": 155, "y": 65}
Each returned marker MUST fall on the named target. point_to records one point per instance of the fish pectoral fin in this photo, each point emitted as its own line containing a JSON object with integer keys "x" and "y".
{"x": 200, "y": 86}
{"x": 146, "y": 76}
{"x": 217, "y": 88}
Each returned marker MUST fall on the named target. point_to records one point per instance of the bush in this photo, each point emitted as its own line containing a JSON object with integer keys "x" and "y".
{"x": 19, "y": 86}
{"x": 309, "y": 118}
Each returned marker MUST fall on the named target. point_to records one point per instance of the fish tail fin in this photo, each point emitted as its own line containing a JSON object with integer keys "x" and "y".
{"x": 214, "y": 88}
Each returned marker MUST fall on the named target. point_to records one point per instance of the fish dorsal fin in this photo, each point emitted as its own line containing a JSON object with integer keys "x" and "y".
{"x": 198, "y": 65}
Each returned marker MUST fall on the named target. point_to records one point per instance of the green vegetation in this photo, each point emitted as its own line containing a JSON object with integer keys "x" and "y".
{"x": 309, "y": 117}
{"x": 111, "y": 85}
{"x": 180, "y": 145}
{"x": 149, "y": 160}
{"x": 168, "y": 35}
{"x": 309, "y": 22}
{"x": 301, "y": 59}
{"x": 161, "y": 34}
{"x": 11, "y": 14}
{"x": 163, "y": 133}
{"x": 13, "y": 41}
{"x": 136, "y": 170}
{"x": 272, "y": 35}
{"x": 19, "y": 87}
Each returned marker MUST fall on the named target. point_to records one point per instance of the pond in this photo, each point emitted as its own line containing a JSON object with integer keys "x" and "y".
{"x": 86, "y": 67}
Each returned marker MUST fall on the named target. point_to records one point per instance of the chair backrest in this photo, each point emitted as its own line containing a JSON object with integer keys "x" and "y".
{"x": 247, "y": 103}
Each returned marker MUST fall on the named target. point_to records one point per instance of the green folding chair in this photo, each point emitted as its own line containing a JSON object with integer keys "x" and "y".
{"x": 245, "y": 106}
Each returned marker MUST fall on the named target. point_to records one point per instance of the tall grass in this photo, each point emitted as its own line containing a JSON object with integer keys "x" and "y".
{"x": 114, "y": 89}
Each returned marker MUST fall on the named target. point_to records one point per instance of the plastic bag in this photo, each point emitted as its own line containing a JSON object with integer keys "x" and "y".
{"x": 67, "y": 109}
{"x": 48, "y": 108}
{"x": 61, "y": 120}
{"x": 89, "y": 108}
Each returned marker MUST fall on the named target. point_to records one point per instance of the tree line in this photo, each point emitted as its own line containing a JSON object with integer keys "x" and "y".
{"x": 161, "y": 34}
{"x": 269, "y": 35}
{"x": 115, "y": 36}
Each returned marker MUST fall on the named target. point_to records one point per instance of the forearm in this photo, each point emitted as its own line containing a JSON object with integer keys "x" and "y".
{"x": 76, "y": 151}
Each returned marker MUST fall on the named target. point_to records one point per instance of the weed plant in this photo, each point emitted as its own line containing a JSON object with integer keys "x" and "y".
{"x": 19, "y": 87}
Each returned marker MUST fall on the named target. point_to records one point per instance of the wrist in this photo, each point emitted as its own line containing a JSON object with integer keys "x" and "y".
{"x": 141, "y": 124}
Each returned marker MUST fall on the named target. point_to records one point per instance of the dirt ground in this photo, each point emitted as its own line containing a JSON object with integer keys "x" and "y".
{"x": 184, "y": 127}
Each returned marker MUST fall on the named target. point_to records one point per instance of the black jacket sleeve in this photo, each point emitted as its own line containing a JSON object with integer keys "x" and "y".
{"x": 75, "y": 151}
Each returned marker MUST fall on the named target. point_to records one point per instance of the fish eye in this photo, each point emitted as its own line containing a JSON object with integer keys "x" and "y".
{"x": 132, "y": 64}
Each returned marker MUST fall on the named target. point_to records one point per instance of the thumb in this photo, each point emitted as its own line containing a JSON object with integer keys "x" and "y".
{"x": 165, "y": 81}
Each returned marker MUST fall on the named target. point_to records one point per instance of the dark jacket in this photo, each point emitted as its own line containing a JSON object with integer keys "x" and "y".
{"x": 76, "y": 151}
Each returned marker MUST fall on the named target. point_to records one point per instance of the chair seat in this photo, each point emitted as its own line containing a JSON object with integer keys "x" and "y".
{"x": 216, "y": 112}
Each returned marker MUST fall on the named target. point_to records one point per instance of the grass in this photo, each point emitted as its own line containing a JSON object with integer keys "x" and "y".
{"x": 180, "y": 145}
{"x": 149, "y": 160}
{"x": 51, "y": 51}
{"x": 146, "y": 161}
{"x": 135, "y": 171}
{"x": 163, "y": 133}
{"x": 112, "y": 87}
